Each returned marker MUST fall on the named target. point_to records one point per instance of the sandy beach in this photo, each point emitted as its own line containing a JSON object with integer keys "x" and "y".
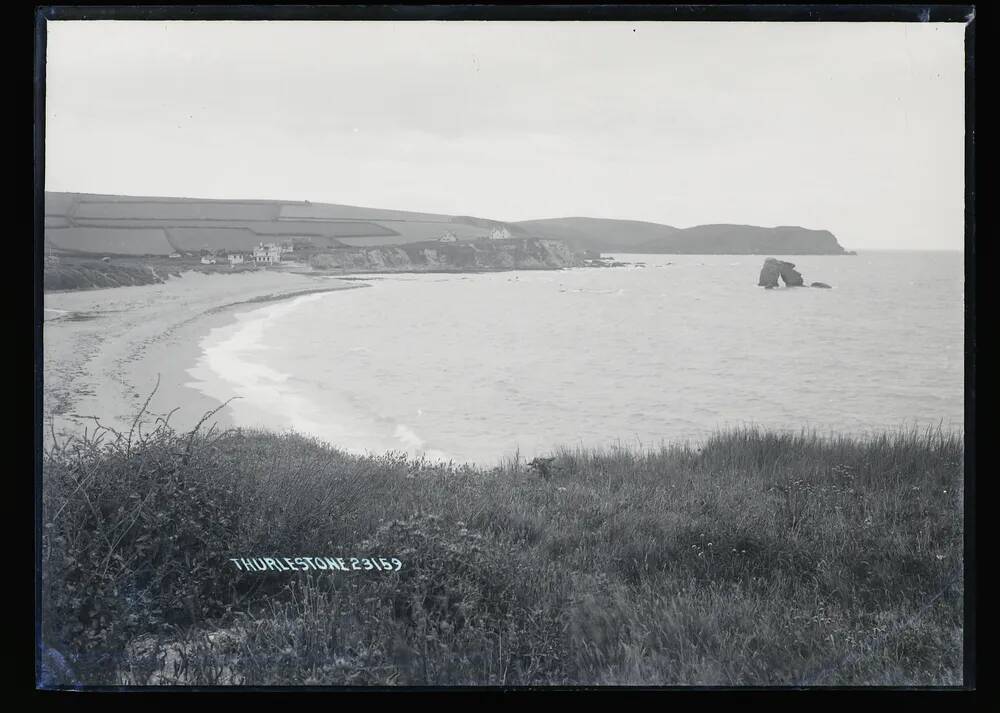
{"x": 105, "y": 349}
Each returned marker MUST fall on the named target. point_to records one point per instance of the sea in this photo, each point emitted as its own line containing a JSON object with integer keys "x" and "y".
{"x": 669, "y": 349}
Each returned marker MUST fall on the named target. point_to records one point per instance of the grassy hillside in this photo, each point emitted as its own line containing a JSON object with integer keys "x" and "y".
{"x": 135, "y": 225}
{"x": 746, "y": 240}
{"x": 640, "y": 237}
{"x": 757, "y": 558}
{"x": 78, "y": 223}
{"x": 598, "y": 234}
{"x": 93, "y": 274}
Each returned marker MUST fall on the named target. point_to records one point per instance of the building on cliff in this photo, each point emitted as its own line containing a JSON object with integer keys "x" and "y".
{"x": 269, "y": 254}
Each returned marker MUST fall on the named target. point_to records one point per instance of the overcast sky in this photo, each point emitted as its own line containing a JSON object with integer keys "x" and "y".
{"x": 853, "y": 127}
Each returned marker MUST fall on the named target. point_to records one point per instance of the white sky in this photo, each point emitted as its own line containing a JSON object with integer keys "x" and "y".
{"x": 853, "y": 127}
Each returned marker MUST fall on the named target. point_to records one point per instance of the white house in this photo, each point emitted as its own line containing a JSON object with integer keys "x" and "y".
{"x": 269, "y": 254}
{"x": 448, "y": 237}
{"x": 499, "y": 233}
{"x": 236, "y": 259}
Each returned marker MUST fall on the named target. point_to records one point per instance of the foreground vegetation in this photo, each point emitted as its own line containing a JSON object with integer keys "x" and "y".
{"x": 83, "y": 273}
{"x": 758, "y": 558}
{"x": 92, "y": 274}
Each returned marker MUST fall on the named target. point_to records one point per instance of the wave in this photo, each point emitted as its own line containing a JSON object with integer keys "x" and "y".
{"x": 233, "y": 364}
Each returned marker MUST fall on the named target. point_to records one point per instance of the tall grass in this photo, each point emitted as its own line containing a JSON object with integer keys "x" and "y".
{"x": 756, "y": 558}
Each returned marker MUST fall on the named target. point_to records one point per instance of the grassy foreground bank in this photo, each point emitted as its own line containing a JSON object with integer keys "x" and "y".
{"x": 758, "y": 558}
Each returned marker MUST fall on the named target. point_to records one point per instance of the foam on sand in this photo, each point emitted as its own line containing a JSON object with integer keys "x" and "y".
{"x": 235, "y": 363}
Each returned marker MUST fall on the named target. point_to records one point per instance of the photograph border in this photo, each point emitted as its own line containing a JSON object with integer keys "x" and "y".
{"x": 538, "y": 12}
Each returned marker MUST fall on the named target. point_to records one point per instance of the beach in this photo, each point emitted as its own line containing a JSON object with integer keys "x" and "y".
{"x": 104, "y": 350}
{"x": 477, "y": 367}
{"x": 506, "y": 343}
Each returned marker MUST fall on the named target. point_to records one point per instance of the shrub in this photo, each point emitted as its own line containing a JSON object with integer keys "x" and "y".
{"x": 759, "y": 558}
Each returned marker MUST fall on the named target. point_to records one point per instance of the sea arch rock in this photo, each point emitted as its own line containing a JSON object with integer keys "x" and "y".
{"x": 773, "y": 269}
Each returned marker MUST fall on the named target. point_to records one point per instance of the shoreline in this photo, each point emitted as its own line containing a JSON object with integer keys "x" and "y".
{"x": 163, "y": 331}
{"x": 105, "y": 349}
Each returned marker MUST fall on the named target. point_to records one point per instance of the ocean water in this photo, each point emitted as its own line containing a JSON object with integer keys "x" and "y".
{"x": 476, "y": 367}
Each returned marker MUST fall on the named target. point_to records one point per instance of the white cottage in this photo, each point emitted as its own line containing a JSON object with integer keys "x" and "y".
{"x": 269, "y": 254}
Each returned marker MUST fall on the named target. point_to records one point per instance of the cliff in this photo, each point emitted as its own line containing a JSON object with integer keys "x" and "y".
{"x": 510, "y": 254}
{"x": 633, "y": 236}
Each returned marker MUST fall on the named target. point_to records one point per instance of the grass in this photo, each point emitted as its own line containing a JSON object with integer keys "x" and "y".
{"x": 77, "y": 272}
{"x": 93, "y": 274}
{"x": 757, "y": 559}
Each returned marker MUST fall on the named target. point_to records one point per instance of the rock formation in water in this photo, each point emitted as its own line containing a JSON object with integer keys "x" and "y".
{"x": 789, "y": 275}
{"x": 769, "y": 274}
{"x": 773, "y": 269}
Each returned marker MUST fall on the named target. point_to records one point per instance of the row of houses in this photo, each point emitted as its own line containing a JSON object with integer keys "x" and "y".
{"x": 263, "y": 254}
{"x": 270, "y": 253}
{"x": 497, "y": 233}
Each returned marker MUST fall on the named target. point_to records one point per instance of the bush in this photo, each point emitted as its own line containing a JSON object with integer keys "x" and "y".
{"x": 759, "y": 558}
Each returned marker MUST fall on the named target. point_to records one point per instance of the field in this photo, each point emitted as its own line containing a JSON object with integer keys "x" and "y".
{"x": 755, "y": 558}
{"x": 109, "y": 241}
{"x": 130, "y": 225}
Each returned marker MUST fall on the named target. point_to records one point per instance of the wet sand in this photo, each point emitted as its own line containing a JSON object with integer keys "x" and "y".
{"x": 104, "y": 350}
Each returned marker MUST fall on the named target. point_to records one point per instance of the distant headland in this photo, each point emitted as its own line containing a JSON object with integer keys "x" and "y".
{"x": 82, "y": 224}
{"x": 634, "y": 236}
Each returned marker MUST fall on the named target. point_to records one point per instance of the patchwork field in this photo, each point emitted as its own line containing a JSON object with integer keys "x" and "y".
{"x": 127, "y": 225}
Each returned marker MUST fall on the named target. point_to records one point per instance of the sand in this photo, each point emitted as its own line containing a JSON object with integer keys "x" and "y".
{"x": 104, "y": 350}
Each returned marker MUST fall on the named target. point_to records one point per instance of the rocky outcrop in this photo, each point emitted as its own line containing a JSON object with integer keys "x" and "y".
{"x": 789, "y": 275}
{"x": 512, "y": 254}
{"x": 773, "y": 269}
{"x": 769, "y": 274}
